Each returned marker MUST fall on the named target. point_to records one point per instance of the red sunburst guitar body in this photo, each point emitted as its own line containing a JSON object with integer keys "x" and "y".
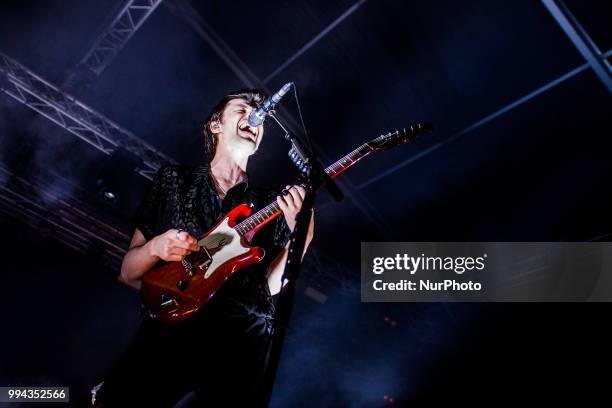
{"x": 176, "y": 290}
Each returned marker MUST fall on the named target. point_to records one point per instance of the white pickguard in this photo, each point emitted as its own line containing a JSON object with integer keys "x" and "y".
{"x": 223, "y": 243}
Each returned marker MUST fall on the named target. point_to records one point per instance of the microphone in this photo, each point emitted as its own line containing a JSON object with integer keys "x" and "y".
{"x": 257, "y": 116}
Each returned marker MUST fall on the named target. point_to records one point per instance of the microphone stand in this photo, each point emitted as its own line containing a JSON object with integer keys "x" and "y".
{"x": 315, "y": 176}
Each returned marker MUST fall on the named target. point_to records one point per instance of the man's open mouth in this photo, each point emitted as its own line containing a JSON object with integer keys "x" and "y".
{"x": 248, "y": 131}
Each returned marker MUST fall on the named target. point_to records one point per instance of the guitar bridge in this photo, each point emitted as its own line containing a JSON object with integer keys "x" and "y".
{"x": 204, "y": 258}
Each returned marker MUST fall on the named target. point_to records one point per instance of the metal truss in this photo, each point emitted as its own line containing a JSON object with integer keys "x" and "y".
{"x": 45, "y": 208}
{"x": 314, "y": 40}
{"x": 581, "y": 40}
{"x": 475, "y": 125}
{"x": 481, "y": 122}
{"x": 186, "y": 12}
{"x": 45, "y": 98}
{"x": 129, "y": 19}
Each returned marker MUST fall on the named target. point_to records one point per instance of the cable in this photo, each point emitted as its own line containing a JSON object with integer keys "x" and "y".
{"x": 299, "y": 109}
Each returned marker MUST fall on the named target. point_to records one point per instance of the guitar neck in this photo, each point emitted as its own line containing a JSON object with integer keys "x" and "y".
{"x": 347, "y": 161}
{"x": 272, "y": 210}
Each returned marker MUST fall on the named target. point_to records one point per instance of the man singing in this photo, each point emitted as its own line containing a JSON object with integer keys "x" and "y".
{"x": 219, "y": 352}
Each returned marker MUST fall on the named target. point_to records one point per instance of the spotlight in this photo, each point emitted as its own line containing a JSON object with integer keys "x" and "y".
{"x": 390, "y": 321}
{"x": 108, "y": 194}
{"x": 105, "y": 191}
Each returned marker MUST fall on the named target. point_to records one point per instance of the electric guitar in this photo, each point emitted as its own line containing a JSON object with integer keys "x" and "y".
{"x": 174, "y": 291}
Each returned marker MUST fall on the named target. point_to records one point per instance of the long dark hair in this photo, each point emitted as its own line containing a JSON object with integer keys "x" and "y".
{"x": 253, "y": 97}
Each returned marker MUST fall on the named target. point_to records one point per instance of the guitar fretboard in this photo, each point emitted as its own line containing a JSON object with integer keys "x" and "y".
{"x": 272, "y": 210}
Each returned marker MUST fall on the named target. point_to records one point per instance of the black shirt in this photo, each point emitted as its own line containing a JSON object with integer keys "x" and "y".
{"x": 220, "y": 351}
{"x": 185, "y": 198}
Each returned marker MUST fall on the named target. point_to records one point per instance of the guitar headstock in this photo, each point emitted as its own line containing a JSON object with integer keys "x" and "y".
{"x": 399, "y": 137}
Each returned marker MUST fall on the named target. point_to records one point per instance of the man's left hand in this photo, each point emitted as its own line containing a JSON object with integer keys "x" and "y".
{"x": 291, "y": 203}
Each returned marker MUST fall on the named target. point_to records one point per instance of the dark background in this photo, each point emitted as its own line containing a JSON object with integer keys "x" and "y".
{"x": 511, "y": 159}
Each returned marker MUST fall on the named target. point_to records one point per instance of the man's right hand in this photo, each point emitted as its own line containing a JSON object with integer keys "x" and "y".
{"x": 173, "y": 245}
